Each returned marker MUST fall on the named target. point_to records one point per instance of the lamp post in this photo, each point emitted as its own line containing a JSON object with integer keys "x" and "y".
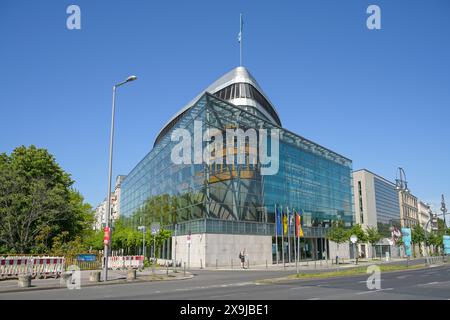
{"x": 402, "y": 185}
{"x": 354, "y": 239}
{"x": 443, "y": 210}
{"x": 108, "y": 206}
{"x": 432, "y": 219}
{"x": 143, "y": 229}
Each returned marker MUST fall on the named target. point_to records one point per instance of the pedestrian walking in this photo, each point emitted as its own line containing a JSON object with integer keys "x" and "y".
{"x": 242, "y": 258}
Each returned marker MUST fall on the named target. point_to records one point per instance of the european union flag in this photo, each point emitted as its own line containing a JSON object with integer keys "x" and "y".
{"x": 278, "y": 213}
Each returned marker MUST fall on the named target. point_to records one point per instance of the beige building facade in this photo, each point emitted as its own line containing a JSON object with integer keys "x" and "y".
{"x": 100, "y": 211}
{"x": 409, "y": 212}
{"x": 425, "y": 212}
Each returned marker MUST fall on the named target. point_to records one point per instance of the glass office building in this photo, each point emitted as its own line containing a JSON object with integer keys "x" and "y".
{"x": 235, "y": 200}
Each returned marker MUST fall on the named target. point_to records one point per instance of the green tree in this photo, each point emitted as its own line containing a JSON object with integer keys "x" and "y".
{"x": 337, "y": 234}
{"x": 129, "y": 239}
{"x": 37, "y": 202}
{"x": 417, "y": 237}
{"x": 373, "y": 236}
{"x": 358, "y": 231}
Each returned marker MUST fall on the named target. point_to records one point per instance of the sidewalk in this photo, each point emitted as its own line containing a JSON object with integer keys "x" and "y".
{"x": 307, "y": 265}
{"x": 114, "y": 277}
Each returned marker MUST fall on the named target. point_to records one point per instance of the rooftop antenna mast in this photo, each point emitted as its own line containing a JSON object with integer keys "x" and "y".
{"x": 240, "y": 39}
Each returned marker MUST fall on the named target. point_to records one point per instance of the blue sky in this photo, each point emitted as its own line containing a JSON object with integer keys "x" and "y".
{"x": 378, "y": 97}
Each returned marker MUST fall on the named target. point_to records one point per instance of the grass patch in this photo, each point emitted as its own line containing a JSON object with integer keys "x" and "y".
{"x": 353, "y": 271}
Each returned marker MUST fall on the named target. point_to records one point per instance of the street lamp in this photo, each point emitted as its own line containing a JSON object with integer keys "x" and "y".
{"x": 354, "y": 239}
{"x": 108, "y": 207}
{"x": 143, "y": 229}
{"x": 433, "y": 220}
{"x": 401, "y": 183}
{"x": 444, "y": 211}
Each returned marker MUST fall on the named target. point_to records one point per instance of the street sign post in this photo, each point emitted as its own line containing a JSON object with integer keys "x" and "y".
{"x": 155, "y": 228}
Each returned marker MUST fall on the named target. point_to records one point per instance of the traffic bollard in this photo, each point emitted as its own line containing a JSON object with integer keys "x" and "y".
{"x": 24, "y": 281}
{"x": 266, "y": 265}
{"x": 216, "y": 264}
{"x": 167, "y": 269}
{"x": 201, "y": 264}
{"x": 248, "y": 264}
{"x": 231, "y": 263}
{"x": 185, "y": 269}
{"x": 131, "y": 274}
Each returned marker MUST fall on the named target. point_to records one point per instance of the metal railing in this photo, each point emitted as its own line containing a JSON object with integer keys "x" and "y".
{"x": 211, "y": 225}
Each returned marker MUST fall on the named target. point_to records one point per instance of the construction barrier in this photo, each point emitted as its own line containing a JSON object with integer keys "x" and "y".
{"x": 125, "y": 262}
{"x": 434, "y": 260}
{"x": 41, "y": 267}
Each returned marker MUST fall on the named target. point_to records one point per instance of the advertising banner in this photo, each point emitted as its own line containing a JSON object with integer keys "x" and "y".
{"x": 406, "y": 237}
{"x": 446, "y": 244}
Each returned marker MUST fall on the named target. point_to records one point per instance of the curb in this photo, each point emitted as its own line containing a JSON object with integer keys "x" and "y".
{"x": 284, "y": 279}
{"x": 94, "y": 284}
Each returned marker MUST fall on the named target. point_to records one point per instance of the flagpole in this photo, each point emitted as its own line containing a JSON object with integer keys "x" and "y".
{"x": 298, "y": 240}
{"x": 289, "y": 236}
{"x": 240, "y": 41}
{"x": 282, "y": 236}
{"x": 295, "y": 239}
{"x": 276, "y": 233}
{"x": 299, "y": 254}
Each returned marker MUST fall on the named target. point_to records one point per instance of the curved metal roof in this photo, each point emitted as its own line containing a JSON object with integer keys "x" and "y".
{"x": 237, "y": 75}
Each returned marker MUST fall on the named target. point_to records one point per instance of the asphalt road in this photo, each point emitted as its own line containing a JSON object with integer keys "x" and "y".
{"x": 430, "y": 283}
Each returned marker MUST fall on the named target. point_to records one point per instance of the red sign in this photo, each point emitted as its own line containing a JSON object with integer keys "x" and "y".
{"x": 107, "y": 235}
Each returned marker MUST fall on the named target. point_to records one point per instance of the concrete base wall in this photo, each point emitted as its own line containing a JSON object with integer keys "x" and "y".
{"x": 208, "y": 249}
{"x": 343, "y": 253}
{"x": 193, "y": 254}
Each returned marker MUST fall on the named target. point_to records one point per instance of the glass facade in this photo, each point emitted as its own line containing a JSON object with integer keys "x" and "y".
{"x": 388, "y": 209}
{"x": 236, "y": 198}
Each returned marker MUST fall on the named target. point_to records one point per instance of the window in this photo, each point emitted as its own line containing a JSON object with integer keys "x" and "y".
{"x": 227, "y": 93}
{"x": 361, "y": 211}
{"x": 238, "y": 90}
{"x": 245, "y": 90}
{"x": 242, "y": 90}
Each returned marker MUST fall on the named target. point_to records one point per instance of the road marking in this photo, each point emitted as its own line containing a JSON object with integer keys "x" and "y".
{"x": 434, "y": 283}
{"x": 371, "y": 291}
{"x": 365, "y": 281}
{"x": 403, "y": 277}
{"x": 301, "y": 287}
{"x": 228, "y": 294}
{"x": 243, "y": 284}
{"x": 313, "y": 299}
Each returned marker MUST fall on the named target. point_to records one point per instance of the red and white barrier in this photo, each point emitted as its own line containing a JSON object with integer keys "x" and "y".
{"x": 125, "y": 262}
{"x": 11, "y": 267}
